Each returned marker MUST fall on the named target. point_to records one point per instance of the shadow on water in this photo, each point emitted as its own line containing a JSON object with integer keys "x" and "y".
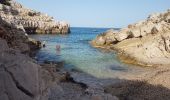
{"x": 123, "y": 89}
{"x": 126, "y": 89}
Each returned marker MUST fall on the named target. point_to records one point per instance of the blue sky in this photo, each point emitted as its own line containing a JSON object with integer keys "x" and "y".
{"x": 98, "y": 13}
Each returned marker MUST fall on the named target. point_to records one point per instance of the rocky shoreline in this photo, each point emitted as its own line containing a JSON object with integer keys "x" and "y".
{"x": 144, "y": 43}
{"x": 31, "y": 21}
{"x": 22, "y": 78}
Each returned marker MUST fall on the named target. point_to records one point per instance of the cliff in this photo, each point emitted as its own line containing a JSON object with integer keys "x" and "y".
{"x": 29, "y": 20}
{"x": 145, "y": 43}
{"x": 21, "y": 78}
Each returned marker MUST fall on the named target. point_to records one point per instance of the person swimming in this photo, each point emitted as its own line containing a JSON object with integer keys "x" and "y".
{"x": 58, "y": 47}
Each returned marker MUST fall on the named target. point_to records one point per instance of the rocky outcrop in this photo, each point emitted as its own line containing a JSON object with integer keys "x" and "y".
{"x": 144, "y": 43}
{"x": 17, "y": 38}
{"x": 20, "y": 77}
{"x": 29, "y": 20}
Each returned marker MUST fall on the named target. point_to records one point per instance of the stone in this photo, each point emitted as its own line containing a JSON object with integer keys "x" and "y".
{"x": 168, "y": 19}
{"x": 121, "y": 36}
{"x": 3, "y": 45}
{"x": 31, "y": 21}
{"x": 154, "y": 17}
{"x": 111, "y": 39}
{"x": 20, "y": 27}
{"x": 154, "y": 30}
{"x": 134, "y": 33}
{"x": 100, "y": 41}
{"x": 145, "y": 30}
{"x": 146, "y": 43}
{"x": 9, "y": 89}
{"x": 166, "y": 39}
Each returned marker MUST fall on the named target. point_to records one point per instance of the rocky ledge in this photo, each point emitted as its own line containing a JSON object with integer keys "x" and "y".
{"x": 145, "y": 43}
{"x": 29, "y": 20}
{"x": 21, "y": 78}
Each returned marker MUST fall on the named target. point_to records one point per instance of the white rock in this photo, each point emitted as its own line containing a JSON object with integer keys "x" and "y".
{"x": 121, "y": 36}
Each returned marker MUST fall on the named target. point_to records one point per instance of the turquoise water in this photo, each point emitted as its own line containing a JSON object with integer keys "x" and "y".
{"x": 77, "y": 53}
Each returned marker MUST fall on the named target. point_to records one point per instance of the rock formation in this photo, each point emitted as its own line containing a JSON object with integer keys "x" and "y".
{"x": 29, "y": 20}
{"x": 21, "y": 78}
{"x": 145, "y": 43}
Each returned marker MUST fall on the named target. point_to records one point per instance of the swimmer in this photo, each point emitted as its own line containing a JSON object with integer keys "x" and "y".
{"x": 58, "y": 47}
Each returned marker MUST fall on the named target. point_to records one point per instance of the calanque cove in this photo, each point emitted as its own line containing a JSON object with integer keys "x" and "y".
{"x": 145, "y": 44}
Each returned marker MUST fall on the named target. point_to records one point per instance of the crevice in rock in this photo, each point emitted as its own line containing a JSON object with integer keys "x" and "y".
{"x": 166, "y": 48}
{"x": 70, "y": 79}
{"x": 18, "y": 85}
{"x": 30, "y": 30}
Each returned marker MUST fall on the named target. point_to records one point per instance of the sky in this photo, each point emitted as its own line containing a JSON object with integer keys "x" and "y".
{"x": 98, "y": 13}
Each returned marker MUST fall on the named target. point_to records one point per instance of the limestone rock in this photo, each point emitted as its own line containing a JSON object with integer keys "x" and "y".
{"x": 31, "y": 21}
{"x": 166, "y": 39}
{"x": 144, "y": 43}
{"x": 20, "y": 77}
{"x": 105, "y": 38}
{"x": 121, "y": 36}
{"x": 101, "y": 40}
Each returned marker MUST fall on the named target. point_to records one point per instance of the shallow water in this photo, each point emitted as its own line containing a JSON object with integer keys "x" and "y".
{"x": 77, "y": 53}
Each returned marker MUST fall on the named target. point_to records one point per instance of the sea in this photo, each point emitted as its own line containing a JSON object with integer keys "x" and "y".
{"x": 77, "y": 53}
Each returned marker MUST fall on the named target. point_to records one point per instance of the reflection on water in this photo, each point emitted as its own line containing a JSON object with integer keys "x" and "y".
{"x": 77, "y": 53}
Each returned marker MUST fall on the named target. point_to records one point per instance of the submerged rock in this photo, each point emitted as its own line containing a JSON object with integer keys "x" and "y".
{"x": 145, "y": 42}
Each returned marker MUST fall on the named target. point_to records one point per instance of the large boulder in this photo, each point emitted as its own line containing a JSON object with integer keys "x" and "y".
{"x": 100, "y": 41}
{"x": 121, "y": 36}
